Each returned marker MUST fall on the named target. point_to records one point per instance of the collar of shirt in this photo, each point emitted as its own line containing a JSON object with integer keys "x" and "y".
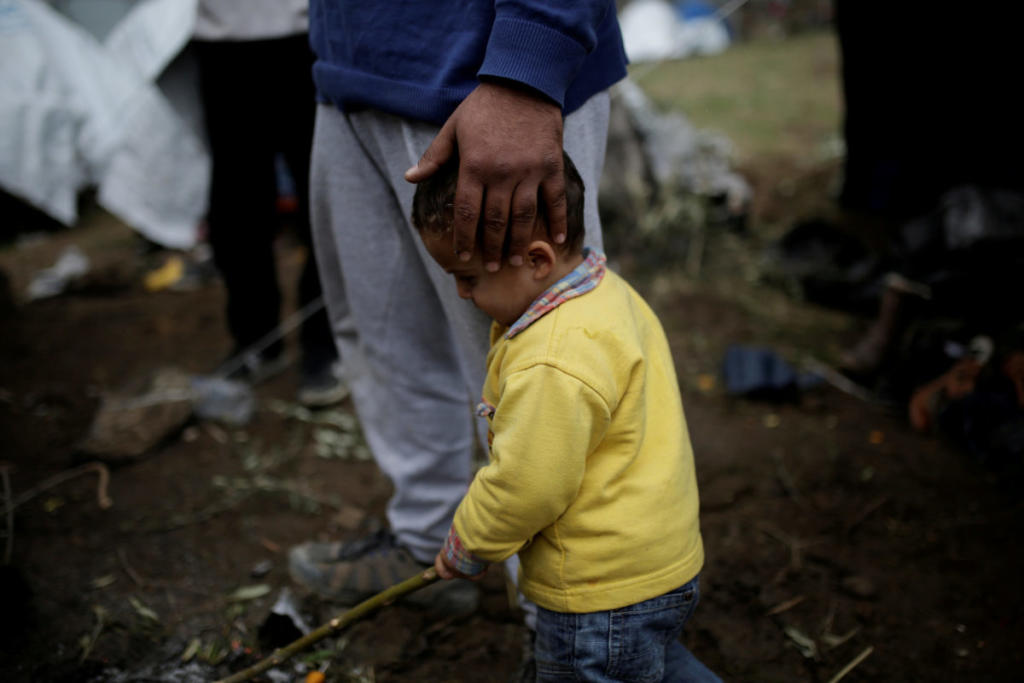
{"x": 581, "y": 280}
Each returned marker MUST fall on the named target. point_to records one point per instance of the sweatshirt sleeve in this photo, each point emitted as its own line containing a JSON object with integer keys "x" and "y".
{"x": 545, "y": 424}
{"x": 543, "y": 44}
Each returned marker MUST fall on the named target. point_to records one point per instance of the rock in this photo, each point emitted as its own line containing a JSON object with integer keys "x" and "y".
{"x": 128, "y": 424}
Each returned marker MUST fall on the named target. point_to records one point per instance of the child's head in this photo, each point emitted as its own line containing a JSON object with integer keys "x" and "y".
{"x": 507, "y": 293}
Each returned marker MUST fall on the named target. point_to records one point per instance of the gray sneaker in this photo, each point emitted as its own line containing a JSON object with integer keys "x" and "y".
{"x": 349, "y": 573}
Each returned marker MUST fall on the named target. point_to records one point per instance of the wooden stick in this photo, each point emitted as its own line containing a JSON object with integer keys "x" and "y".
{"x": 385, "y": 597}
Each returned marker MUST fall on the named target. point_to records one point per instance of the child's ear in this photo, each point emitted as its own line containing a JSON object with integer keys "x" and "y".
{"x": 541, "y": 257}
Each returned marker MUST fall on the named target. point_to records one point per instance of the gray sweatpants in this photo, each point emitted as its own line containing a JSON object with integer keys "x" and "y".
{"x": 413, "y": 352}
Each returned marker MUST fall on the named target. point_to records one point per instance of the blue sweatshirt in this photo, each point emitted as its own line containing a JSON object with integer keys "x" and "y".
{"x": 420, "y": 58}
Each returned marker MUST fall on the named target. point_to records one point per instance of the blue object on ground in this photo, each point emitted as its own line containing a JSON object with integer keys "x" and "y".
{"x": 760, "y": 372}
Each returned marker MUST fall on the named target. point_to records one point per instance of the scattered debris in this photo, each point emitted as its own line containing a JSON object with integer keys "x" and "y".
{"x": 859, "y": 587}
{"x": 72, "y": 264}
{"x": 261, "y": 569}
{"x": 102, "y": 581}
{"x": 252, "y": 592}
{"x": 223, "y": 400}
{"x": 363, "y": 609}
{"x": 191, "y": 650}
{"x": 142, "y": 610}
{"x": 284, "y": 623}
{"x": 853, "y": 664}
{"x": 88, "y": 641}
{"x": 804, "y": 643}
{"x": 785, "y": 606}
{"x": 866, "y": 512}
{"x": 833, "y": 641}
{"x": 102, "y": 498}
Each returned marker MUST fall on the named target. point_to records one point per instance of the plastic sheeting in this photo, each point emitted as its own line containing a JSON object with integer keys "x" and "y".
{"x": 653, "y": 30}
{"x": 78, "y": 113}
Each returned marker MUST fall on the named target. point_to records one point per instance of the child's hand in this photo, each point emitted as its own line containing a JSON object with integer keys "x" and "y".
{"x": 446, "y": 571}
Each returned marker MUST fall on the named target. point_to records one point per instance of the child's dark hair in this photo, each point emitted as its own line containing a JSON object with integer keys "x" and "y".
{"x": 431, "y": 205}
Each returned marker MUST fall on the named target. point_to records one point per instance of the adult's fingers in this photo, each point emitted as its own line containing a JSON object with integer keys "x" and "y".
{"x": 497, "y": 199}
{"x": 552, "y": 191}
{"x": 469, "y": 195}
{"x": 439, "y": 151}
{"x": 521, "y": 221}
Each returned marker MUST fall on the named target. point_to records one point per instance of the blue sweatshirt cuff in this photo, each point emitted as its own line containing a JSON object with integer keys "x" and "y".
{"x": 533, "y": 54}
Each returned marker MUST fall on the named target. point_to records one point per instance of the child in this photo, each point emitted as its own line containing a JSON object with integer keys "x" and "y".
{"x": 591, "y": 476}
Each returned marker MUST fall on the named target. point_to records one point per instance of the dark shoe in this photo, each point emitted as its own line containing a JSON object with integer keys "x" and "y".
{"x": 349, "y": 573}
{"x": 321, "y": 386}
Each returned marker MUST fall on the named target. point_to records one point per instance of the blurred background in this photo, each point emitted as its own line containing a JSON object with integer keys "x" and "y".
{"x": 820, "y": 199}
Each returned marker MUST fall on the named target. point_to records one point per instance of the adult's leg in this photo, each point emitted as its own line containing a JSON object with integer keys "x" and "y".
{"x": 409, "y": 381}
{"x": 242, "y": 191}
{"x": 294, "y": 106}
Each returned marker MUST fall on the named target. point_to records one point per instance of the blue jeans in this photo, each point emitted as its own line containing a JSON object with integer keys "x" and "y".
{"x": 634, "y": 643}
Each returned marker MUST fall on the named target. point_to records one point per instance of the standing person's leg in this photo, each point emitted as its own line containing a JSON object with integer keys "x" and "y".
{"x": 397, "y": 338}
{"x": 295, "y": 114}
{"x": 413, "y": 350}
{"x": 242, "y": 214}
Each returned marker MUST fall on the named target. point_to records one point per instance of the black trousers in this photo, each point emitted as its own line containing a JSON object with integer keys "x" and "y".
{"x": 259, "y": 102}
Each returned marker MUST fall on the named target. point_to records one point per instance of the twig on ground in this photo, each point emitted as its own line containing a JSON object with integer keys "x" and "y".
{"x": 786, "y": 479}
{"x": 385, "y": 597}
{"x": 89, "y": 641}
{"x": 852, "y": 665}
{"x": 785, "y": 606}
{"x": 838, "y": 379}
{"x": 132, "y": 574}
{"x": 142, "y": 582}
{"x": 187, "y": 519}
{"x": 795, "y": 546}
{"x": 865, "y": 513}
{"x": 102, "y": 499}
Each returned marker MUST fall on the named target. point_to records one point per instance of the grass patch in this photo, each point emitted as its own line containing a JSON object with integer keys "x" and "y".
{"x": 771, "y": 97}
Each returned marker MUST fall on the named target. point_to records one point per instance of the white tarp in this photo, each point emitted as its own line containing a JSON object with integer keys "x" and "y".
{"x": 76, "y": 113}
{"x": 653, "y": 30}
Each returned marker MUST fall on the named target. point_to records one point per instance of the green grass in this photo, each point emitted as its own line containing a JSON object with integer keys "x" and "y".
{"x": 771, "y": 98}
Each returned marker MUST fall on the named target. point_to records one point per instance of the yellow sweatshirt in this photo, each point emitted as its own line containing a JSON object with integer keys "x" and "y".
{"x": 591, "y": 476}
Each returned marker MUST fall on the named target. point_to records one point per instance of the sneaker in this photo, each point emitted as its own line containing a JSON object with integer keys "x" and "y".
{"x": 349, "y": 573}
{"x": 322, "y": 386}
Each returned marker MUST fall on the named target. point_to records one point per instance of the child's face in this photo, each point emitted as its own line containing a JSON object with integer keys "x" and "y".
{"x": 504, "y": 295}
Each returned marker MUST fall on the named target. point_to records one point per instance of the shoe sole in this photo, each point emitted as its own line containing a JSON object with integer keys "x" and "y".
{"x": 321, "y": 398}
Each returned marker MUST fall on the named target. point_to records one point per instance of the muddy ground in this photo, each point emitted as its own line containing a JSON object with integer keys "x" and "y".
{"x": 834, "y": 533}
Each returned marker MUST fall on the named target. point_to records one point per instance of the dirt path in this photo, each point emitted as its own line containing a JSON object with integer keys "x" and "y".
{"x": 831, "y": 529}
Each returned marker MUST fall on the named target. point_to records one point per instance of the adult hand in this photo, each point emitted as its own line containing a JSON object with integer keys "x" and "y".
{"x": 509, "y": 141}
